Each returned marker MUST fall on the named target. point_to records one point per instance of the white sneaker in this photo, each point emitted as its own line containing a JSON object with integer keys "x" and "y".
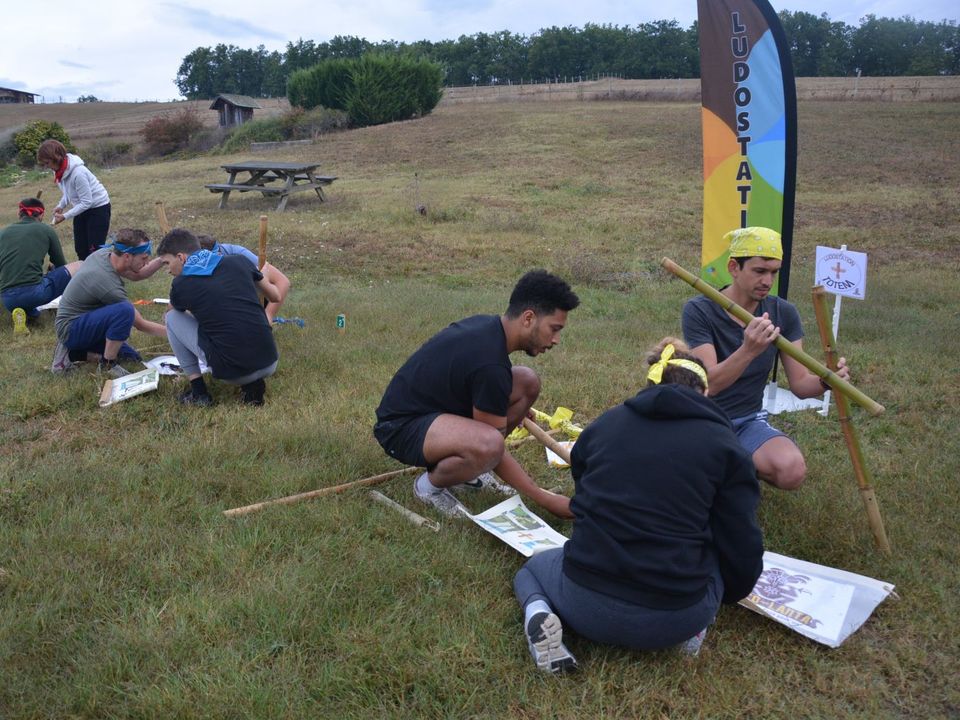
{"x": 545, "y": 640}
{"x": 440, "y": 498}
{"x": 61, "y": 360}
{"x": 485, "y": 481}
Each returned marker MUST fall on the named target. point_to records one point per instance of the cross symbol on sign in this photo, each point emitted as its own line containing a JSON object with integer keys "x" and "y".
{"x": 838, "y": 269}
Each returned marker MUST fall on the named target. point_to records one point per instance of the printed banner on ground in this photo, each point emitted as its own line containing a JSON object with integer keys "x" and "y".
{"x": 820, "y": 602}
{"x": 129, "y": 386}
{"x": 513, "y": 523}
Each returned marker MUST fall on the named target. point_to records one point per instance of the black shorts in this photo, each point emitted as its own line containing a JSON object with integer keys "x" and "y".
{"x": 402, "y": 438}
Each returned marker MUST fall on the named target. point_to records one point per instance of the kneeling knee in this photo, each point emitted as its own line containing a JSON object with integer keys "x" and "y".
{"x": 791, "y": 477}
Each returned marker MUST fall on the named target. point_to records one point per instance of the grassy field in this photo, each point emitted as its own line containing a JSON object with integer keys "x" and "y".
{"x": 125, "y": 593}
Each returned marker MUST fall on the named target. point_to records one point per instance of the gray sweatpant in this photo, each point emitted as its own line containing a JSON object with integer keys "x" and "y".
{"x": 182, "y": 330}
{"x": 606, "y": 619}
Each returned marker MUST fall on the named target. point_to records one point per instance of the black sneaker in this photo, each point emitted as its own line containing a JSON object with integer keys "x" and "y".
{"x": 252, "y": 393}
{"x": 188, "y": 398}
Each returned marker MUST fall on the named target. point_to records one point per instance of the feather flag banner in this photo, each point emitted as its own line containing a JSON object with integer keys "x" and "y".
{"x": 749, "y": 119}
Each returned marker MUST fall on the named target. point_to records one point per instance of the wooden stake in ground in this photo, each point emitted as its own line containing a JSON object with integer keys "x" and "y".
{"x": 262, "y": 247}
{"x": 292, "y": 499}
{"x": 846, "y": 423}
{"x": 161, "y": 217}
{"x": 540, "y": 434}
{"x": 783, "y": 345}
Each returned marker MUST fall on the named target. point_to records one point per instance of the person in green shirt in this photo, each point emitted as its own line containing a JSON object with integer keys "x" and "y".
{"x": 24, "y": 246}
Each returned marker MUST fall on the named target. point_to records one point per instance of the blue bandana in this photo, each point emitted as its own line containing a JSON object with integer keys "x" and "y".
{"x": 128, "y": 249}
{"x": 202, "y": 262}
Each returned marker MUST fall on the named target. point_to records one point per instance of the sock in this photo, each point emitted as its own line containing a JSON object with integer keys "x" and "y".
{"x": 532, "y": 609}
{"x": 199, "y": 387}
{"x": 425, "y": 486}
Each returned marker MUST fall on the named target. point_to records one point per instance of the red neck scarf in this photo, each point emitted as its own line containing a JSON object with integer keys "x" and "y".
{"x": 58, "y": 175}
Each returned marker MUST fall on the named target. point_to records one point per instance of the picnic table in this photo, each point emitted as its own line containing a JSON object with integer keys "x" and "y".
{"x": 271, "y": 178}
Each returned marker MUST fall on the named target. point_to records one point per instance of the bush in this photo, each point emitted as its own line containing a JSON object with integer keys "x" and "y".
{"x": 172, "y": 131}
{"x": 106, "y": 153}
{"x": 328, "y": 84}
{"x": 374, "y": 89}
{"x": 296, "y": 124}
{"x": 28, "y": 140}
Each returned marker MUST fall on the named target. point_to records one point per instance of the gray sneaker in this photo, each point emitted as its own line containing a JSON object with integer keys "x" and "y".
{"x": 692, "y": 646}
{"x": 441, "y": 499}
{"x": 61, "y": 360}
{"x": 485, "y": 481}
{"x": 111, "y": 369}
{"x": 545, "y": 640}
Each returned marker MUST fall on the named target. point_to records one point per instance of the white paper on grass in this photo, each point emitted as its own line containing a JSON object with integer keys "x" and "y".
{"x": 555, "y": 460}
{"x": 514, "y": 524}
{"x": 819, "y": 602}
{"x": 169, "y": 365}
{"x": 128, "y": 386}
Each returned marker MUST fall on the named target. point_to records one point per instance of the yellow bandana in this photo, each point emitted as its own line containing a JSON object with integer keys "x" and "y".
{"x": 754, "y": 241}
{"x": 656, "y": 370}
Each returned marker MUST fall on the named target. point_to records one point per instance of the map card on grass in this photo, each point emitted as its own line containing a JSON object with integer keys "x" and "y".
{"x": 121, "y": 388}
{"x": 514, "y": 524}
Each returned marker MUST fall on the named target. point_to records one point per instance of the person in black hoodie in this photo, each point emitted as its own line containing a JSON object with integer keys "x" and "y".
{"x": 664, "y": 528}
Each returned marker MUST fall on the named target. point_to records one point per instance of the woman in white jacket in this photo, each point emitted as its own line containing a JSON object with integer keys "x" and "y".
{"x": 86, "y": 196}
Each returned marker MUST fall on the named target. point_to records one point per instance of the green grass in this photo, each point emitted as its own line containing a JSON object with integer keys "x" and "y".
{"x": 126, "y": 593}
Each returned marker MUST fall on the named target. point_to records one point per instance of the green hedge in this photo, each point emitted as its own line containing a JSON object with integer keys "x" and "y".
{"x": 373, "y": 90}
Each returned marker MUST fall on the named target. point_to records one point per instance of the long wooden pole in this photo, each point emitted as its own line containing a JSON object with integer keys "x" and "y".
{"x": 540, "y": 434}
{"x": 262, "y": 248}
{"x": 860, "y": 471}
{"x": 292, "y": 499}
{"x": 161, "y": 217}
{"x": 783, "y": 345}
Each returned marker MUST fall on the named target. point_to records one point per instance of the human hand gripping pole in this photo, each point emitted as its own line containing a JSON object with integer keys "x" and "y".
{"x": 783, "y": 345}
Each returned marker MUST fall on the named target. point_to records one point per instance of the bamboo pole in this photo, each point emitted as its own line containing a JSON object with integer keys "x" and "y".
{"x": 262, "y": 248}
{"x": 292, "y": 499}
{"x": 408, "y": 514}
{"x": 547, "y": 441}
{"x": 846, "y": 423}
{"x": 161, "y": 217}
{"x": 783, "y": 345}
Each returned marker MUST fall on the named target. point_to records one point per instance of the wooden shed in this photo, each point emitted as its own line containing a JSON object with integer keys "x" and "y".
{"x": 9, "y": 95}
{"x": 234, "y": 109}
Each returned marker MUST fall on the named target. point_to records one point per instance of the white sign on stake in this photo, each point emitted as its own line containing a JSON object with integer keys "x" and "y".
{"x": 841, "y": 272}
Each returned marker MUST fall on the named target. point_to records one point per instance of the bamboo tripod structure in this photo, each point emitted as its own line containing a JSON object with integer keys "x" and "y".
{"x": 828, "y": 341}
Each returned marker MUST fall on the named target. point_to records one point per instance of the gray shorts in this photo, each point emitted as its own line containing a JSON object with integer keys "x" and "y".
{"x": 754, "y": 430}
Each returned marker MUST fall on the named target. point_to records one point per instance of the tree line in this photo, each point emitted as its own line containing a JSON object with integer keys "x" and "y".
{"x": 663, "y": 49}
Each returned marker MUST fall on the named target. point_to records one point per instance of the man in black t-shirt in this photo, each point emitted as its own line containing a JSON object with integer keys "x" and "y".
{"x": 739, "y": 358}
{"x": 217, "y": 318}
{"x": 452, "y": 403}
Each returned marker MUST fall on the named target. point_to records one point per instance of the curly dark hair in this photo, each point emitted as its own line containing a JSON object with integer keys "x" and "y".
{"x": 542, "y": 292}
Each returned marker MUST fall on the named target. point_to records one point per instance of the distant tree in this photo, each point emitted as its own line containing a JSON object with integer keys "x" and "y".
{"x": 88, "y": 99}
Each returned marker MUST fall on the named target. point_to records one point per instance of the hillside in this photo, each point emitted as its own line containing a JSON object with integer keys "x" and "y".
{"x": 90, "y": 122}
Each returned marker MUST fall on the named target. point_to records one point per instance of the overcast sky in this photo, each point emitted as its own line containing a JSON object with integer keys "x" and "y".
{"x": 127, "y": 50}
